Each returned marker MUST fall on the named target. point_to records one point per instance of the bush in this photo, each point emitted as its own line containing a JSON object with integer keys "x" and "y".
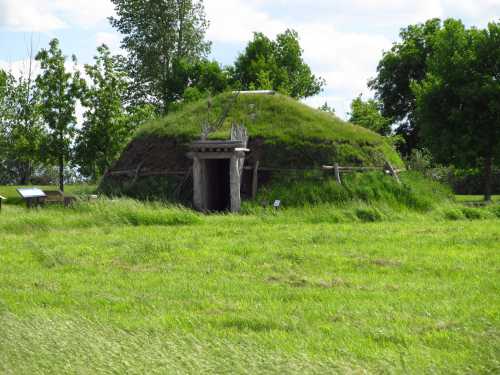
{"x": 453, "y": 214}
{"x": 496, "y": 211}
{"x": 420, "y": 161}
{"x": 473, "y": 213}
{"x": 368, "y": 215}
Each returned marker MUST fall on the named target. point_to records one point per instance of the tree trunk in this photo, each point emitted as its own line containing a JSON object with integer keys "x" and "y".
{"x": 61, "y": 172}
{"x": 488, "y": 178}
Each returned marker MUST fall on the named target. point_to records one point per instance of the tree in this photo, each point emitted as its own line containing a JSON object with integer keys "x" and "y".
{"x": 4, "y": 79}
{"x": 59, "y": 91}
{"x": 22, "y": 130}
{"x": 276, "y": 65}
{"x": 404, "y": 63}
{"x": 367, "y": 114}
{"x": 105, "y": 128}
{"x": 161, "y": 37}
{"x": 458, "y": 102}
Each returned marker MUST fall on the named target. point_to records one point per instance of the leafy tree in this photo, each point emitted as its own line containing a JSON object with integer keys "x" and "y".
{"x": 404, "y": 63}
{"x": 59, "y": 91}
{"x": 201, "y": 79}
{"x": 3, "y": 84}
{"x": 105, "y": 129}
{"x": 276, "y": 65}
{"x": 367, "y": 114}
{"x": 160, "y": 36}
{"x": 458, "y": 102}
{"x": 4, "y": 79}
{"x": 22, "y": 130}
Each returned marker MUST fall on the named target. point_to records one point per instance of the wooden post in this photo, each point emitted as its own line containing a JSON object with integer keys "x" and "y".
{"x": 198, "y": 185}
{"x": 337, "y": 174}
{"x": 392, "y": 172}
{"x": 255, "y": 179}
{"x": 235, "y": 183}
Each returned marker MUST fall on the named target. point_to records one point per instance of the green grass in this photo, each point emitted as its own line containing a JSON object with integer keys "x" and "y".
{"x": 124, "y": 287}
{"x": 294, "y": 133}
{"x": 414, "y": 192}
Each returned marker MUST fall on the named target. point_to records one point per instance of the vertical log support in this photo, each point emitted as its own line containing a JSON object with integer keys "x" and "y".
{"x": 198, "y": 184}
{"x": 337, "y": 174}
{"x": 255, "y": 179}
{"x": 392, "y": 172}
{"x": 235, "y": 183}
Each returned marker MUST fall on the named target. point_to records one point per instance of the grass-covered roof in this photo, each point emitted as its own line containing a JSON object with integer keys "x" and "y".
{"x": 291, "y": 132}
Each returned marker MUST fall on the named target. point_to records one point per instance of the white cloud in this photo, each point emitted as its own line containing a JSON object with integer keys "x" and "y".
{"x": 32, "y": 15}
{"x": 49, "y": 15}
{"x": 236, "y": 20}
{"x": 84, "y": 13}
{"x": 112, "y": 40}
{"x": 20, "y": 67}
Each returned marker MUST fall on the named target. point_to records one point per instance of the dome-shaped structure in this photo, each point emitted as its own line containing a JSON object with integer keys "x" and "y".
{"x": 283, "y": 134}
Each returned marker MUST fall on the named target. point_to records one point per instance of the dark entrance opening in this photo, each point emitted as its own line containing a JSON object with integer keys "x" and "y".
{"x": 218, "y": 184}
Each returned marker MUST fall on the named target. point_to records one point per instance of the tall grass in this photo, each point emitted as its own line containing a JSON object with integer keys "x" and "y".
{"x": 415, "y": 192}
{"x": 104, "y": 212}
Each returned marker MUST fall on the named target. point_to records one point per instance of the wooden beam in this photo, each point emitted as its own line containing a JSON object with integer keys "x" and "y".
{"x": 337, "y": 174}
{"x": 392, "y": 172}
{"x": 255, "y": 179}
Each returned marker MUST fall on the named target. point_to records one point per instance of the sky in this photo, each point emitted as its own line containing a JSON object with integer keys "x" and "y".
{"x": 343, "y": 40}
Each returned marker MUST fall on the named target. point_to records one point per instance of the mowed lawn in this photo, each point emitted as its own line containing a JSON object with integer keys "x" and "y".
{"x": 132, "y": 289}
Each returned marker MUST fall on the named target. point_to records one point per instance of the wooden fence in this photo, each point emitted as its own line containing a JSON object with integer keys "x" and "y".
{"x": 256, "y": 168}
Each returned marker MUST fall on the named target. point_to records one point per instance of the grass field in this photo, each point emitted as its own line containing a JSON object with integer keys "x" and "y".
{"x": 121, "y": 287}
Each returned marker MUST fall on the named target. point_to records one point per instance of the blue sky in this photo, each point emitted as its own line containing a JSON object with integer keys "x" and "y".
{"x": 342, "y": 39}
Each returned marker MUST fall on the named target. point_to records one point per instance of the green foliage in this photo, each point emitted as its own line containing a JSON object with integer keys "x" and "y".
{"x": 420, "y": 160}
{"x": 368, "y": 215}
{"x": 163, "y": 39}
{"x": 106, "y": 126}
{"x": 453, "y": 214}
{"x": 276, "y": 65}
{"x": 458, "y": 100}
{"x": 21, "y": 127}
{"x": 473, "y": 213}
{"x": 208, "y": 77}
{"x": 403, "y": 64}
{"x": 367, "y": 114}
{"x": 59, "y": 91}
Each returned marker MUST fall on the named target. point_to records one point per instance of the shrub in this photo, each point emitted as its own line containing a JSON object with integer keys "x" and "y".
{"x": 368, "y": 215}
{"x": 473, "y": 213}
{"x": 453, "y": 214}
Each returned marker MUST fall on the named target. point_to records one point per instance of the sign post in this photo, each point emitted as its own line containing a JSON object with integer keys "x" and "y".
{"x": 31, "y": 195}
{"x": 2, "y": 198}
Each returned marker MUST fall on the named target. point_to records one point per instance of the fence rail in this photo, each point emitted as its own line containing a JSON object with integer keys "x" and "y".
{"x": 256, "y": 168}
